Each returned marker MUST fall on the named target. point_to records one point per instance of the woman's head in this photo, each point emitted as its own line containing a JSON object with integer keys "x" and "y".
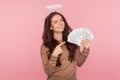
{"x": 55, "y": 22}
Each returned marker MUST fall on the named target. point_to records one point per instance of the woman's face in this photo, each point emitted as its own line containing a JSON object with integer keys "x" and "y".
{"x": 57, "y": 23}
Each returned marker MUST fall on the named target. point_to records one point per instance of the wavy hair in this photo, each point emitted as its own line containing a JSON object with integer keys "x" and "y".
{"x": 51, "y": 43}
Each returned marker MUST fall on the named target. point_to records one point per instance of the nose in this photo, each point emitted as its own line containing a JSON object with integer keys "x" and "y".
{"x": 60, "y": 22}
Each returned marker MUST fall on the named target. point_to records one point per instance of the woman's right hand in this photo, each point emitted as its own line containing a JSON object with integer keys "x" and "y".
{"x": 58, "y": 49}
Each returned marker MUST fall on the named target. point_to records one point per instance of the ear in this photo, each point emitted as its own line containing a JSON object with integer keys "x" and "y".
{"x": 51, "y": 28}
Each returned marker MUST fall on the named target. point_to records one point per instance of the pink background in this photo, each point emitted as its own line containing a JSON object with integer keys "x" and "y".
{"x": 21, "y": 27}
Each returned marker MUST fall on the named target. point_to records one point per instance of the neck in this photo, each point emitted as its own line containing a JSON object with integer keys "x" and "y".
{"x": 58, "y": 36}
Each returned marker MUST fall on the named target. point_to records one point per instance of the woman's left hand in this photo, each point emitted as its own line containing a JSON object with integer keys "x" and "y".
{"x": 85, "y": 43}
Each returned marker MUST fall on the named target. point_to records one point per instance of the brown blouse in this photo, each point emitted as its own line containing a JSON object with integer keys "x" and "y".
{"x": 67, "y": 71}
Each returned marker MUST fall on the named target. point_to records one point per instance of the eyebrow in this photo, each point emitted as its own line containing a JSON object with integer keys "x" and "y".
{"x": 57, "y": 20}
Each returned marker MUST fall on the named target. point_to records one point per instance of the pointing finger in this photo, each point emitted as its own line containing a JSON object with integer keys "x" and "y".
{"x": 62, "y": 43}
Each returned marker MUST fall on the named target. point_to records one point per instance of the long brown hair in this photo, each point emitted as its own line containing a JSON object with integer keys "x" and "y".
{"x": 51, "y": 43}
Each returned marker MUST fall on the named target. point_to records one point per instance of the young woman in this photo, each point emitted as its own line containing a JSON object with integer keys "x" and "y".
{"x": 60, "y": 58}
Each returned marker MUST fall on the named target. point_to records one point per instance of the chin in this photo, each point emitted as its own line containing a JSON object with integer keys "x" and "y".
{"x": 59, "y": 31}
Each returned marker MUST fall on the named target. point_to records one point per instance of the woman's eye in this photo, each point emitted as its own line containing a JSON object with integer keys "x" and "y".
{"x": 55, "y": 22}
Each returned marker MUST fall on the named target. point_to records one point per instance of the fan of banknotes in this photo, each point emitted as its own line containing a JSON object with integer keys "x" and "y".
{"x": 79, "y": 34}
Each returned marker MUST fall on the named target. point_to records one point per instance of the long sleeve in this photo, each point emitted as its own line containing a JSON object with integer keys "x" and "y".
{"x": 81, "y": 56}
{"x": 48, "y": 64}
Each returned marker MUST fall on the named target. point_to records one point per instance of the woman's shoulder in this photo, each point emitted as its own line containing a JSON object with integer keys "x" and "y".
{"x": 44, "y": 47}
